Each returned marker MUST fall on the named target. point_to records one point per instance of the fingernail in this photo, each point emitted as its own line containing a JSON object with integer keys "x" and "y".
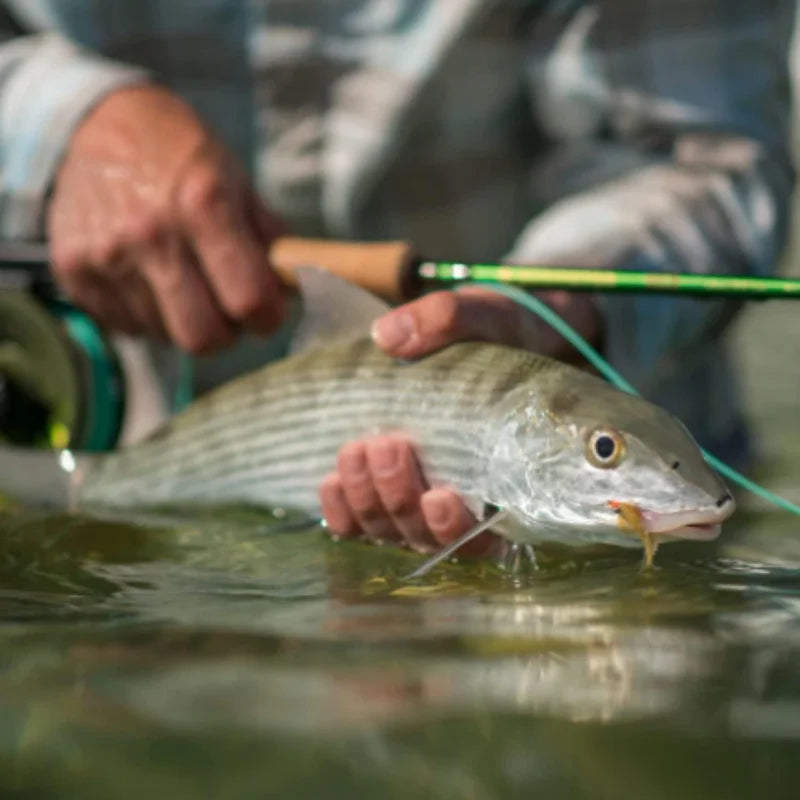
{"x": 383, "y": 458}
{"x": 392, "y": 331}
{"x": 436, "y": 510}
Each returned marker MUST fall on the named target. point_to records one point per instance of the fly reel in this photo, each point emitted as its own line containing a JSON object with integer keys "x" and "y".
{"x": 60, "y": 380}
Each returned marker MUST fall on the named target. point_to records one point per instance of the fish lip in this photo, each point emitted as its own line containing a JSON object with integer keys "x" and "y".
{"x": 705, "y": 533}
{"x": 703, "y": 524}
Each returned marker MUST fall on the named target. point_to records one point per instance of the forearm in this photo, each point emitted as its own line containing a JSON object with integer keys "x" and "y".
{"x": 720, "y": 204}
{"x": 47, "y": 85}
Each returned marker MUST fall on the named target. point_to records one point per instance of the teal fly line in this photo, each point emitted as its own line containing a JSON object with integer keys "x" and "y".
{"x": 184, "y": 391}
{"x": 610, "y": 374}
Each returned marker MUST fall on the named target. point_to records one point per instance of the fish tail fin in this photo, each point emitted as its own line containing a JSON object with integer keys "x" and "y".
{"x": 40, "y": 477}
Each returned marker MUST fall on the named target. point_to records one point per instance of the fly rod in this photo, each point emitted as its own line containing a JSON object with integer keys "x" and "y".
{"x": 393, "y": 271}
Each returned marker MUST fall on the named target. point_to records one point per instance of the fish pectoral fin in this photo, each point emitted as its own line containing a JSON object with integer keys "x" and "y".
{"x": 472, "y": 533}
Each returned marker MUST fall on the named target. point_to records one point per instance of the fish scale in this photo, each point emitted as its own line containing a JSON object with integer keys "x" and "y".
{"x": 233, "y": 445}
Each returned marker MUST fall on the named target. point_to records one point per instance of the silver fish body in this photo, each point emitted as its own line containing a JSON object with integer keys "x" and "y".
{"x": 500, "y": 425}
{"x": 563, "y": 454}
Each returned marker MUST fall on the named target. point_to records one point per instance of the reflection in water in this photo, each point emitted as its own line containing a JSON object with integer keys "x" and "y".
{"x": 172, "y": 654}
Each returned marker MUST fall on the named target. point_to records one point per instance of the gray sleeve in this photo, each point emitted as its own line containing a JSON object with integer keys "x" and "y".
{"x": 692, "y": 172}
{"x": 47, "y": 85}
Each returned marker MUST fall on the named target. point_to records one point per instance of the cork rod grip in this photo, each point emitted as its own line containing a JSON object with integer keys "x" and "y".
{"x": 384, "y": 268}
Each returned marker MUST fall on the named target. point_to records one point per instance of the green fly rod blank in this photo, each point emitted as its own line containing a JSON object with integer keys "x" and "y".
{"x": 602, "y": 280}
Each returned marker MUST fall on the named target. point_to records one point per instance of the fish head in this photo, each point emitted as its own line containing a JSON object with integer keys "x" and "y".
{"x": 612, "y": 465}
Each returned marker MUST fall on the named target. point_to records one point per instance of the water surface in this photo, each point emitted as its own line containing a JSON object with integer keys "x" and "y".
{"x": 215, "y": 656}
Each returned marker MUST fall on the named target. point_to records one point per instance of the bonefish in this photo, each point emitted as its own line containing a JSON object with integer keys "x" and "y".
{"x": 558, "y": 453}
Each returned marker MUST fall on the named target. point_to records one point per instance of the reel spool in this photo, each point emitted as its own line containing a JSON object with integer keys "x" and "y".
{"x": 60, "y": 381}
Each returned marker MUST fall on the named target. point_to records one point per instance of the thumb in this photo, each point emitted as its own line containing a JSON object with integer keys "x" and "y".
{"x": 442, "y": 318}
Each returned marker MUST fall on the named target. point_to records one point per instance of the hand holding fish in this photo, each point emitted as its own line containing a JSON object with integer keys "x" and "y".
{"x": 379, "y": 491}
{"x": 473, "y": 314}
{"x": 380, "y": 494}
{"x": 154, "y": 228}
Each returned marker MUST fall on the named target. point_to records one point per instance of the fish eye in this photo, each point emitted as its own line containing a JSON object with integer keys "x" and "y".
{"x": 604, "y": 448}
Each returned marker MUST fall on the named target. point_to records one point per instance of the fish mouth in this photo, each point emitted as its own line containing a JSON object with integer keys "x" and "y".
{"x": 702, "y": 525}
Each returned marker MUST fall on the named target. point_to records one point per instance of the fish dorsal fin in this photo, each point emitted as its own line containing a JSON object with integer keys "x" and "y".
{"x": 332, "y": 309}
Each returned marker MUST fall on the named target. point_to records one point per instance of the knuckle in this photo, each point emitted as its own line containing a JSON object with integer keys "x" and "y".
{"x": 67, "y": 258}
{"x": 244, "y": 305}
{"x": 363, "y": 499}
{"x": 352, "y": 459}
{"x": 405, "y": 451}
{"x": 202, "y": 192}
{"x": 104, "y": 251}
{"x": 168, "y": 276}
{"x": 145, "y": 227}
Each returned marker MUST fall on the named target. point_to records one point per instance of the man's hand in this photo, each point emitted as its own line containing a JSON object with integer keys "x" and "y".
{"x": 475, "y": 314}
{"x": 378, "y": 491}
{"x": 154, "y": 228}
{"x": 380, "y": 494}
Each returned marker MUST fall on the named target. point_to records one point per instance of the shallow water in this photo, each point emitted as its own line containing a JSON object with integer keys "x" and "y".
{"x": 212, "y": 656}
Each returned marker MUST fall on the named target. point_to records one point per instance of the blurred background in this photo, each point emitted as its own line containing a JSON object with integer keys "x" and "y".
{"x": 766, "y": 340}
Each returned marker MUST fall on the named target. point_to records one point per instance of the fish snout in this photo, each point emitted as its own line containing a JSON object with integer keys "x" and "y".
{"x": 700, "y": 524}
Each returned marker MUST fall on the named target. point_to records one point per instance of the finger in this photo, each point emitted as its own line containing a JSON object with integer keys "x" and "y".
{"x": 189, "y": 312}
{"x": 140, "y": 302}
{"x": 362, "y": 496}
{"x": 441, "y": 318}
{"x": 340, "y": 520}
{"x": 231, "y": 256}
{"x": 97, "y": 297}
{"x": 448, "y": 518}
{"x": 398, "y": 481}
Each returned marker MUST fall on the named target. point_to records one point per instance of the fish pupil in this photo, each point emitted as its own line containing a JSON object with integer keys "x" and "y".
{"x": 604, "y": 447}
